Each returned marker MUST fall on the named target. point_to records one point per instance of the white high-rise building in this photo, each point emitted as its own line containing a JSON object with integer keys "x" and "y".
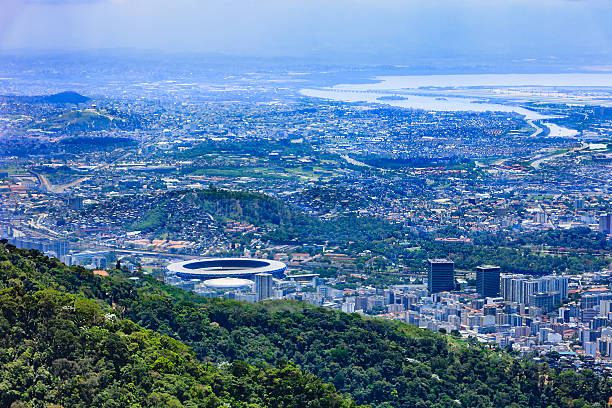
{"x": 512, "y": 287}
{"x": 551, "y": 283}
{"x": 263, "y": 286}
{"x": 348, "y": 307}
{"x": 518, "y": 288}
{"x": 605, "y": 308}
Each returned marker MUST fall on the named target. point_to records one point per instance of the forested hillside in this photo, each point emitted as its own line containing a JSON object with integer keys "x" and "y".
{"x": 281, "y": 222}
{"x": 377, "y": 362}
{"x": 61, "y": 350}
{"x": 58, "y": 348}
{"x": 180, "y": 213}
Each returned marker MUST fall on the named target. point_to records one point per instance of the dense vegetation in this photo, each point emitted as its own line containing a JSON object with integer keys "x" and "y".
{"x": 573, "y": 238}
{"x": 281, "y": 222}
{"x": 57, "y": 348}
{"x": 515, "y": 259}
{"x": 383, "y": 363}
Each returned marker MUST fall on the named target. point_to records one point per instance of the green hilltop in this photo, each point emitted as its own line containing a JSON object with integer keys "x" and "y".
{"x": 81, "y": 120}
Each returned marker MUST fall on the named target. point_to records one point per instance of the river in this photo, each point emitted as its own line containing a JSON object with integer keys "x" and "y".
{"x": 411, "y": 91}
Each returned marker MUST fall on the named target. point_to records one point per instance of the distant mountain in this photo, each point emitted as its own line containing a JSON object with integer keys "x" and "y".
{"x": 67, "y": 97}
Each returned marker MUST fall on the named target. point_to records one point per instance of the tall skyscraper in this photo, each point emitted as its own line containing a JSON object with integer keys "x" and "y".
{"x": 487, "y": 280}
{"x": 441, "y": 275}
{"x": 263, "y": 286}
{"x": 605, "y": 223}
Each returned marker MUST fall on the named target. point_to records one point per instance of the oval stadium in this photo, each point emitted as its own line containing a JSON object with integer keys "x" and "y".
{"x": 212, "y": 268}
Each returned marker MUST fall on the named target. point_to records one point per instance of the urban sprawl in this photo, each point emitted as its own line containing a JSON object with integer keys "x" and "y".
{"x": 482, "y": 225}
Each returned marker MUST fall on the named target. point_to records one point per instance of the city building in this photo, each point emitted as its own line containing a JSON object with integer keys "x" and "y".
{"x": 520, "y": 288}
{"x": 545, "y": 301}
{"x": 51, "y": 247}
{"x": 512, "y": 287}
{"x": 75, "y": 203}
{"x": 263, "y": 286}
{"x": 487, "y": 280}
{"x": 440, "y": 275}
{"x": 605, "y": 223}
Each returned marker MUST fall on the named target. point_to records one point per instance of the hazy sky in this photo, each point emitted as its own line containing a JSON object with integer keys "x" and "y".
{"x": 520, "y": 28}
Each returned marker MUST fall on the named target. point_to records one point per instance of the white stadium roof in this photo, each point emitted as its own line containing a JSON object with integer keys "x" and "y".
{"x": 209, "y": 268}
